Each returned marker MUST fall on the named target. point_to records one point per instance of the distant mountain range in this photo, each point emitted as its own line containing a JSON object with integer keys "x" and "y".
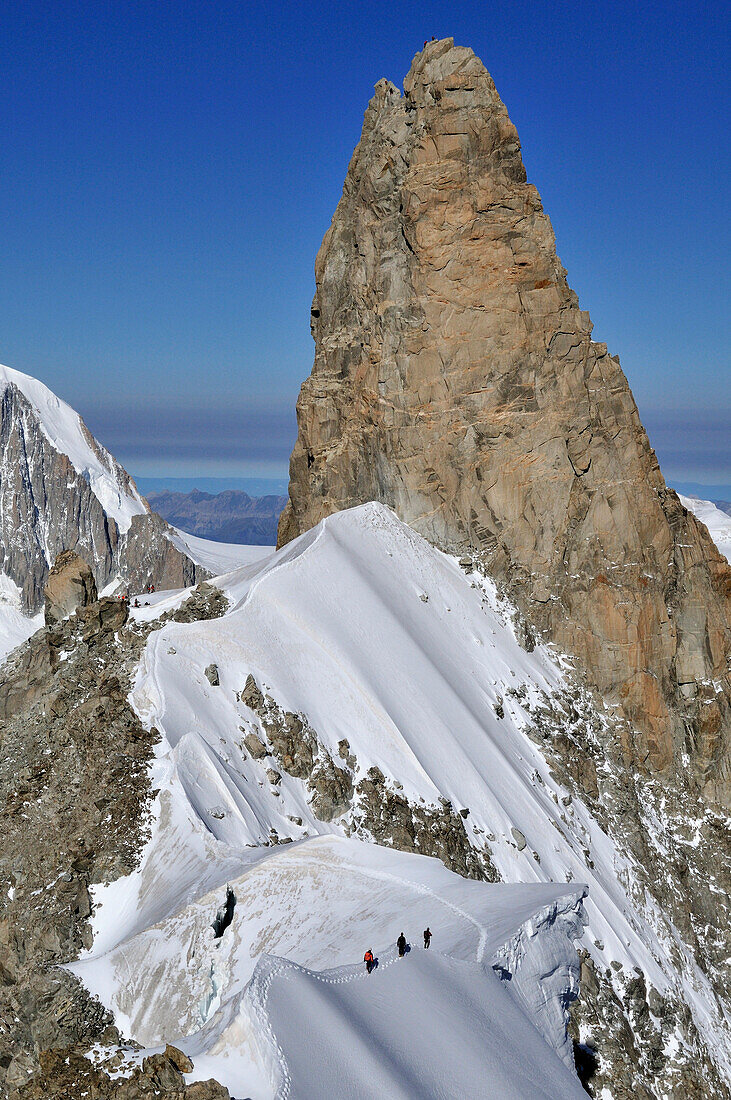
{"x": 230, "y": 516}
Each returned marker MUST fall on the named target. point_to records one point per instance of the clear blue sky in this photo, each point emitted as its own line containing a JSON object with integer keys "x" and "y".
{"x": 168, "y": 171}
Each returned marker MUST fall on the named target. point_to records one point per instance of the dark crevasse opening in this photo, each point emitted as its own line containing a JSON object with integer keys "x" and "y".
{"x": 587, "y": 1062}
{"x": 225, "y": 915}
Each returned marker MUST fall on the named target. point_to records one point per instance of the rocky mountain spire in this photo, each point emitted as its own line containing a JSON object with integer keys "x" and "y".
{"x": 455, "y": 380}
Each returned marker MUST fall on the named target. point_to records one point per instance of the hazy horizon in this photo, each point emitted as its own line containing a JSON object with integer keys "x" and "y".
{"x": 166, "y": 188}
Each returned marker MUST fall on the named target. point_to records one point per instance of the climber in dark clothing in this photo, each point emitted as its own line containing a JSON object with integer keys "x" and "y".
{"x": 401, "y": 944}
{"x": 427, "y": 937}
{"x": 368, "y": 960}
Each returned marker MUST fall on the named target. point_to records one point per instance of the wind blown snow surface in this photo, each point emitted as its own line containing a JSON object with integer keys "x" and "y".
{"x": 15, "y": 626}
{"x": 430, "y": 1025}
{"x": 381, "y": 640}
{"x": 218, "y": 557}
{"x": 303, "y": 913}
{"x": 66, "y": 431}
{"x": 717, "y": 522}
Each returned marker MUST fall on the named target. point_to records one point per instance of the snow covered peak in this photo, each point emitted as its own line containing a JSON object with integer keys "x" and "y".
{"x": 66, "y": 432}
{"x": 61, "y": 490}
{"x": 717, "y": 522}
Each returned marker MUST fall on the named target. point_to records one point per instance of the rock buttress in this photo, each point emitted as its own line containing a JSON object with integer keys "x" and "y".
{"x": 455, "y": 380}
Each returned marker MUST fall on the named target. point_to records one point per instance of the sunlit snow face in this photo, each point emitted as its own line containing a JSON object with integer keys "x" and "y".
{"x": 436, "y": 693}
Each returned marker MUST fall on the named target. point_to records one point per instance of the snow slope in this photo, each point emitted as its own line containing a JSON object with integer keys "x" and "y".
{"x": 377, "y": 638}
{"x": 218, "y": 557}
{"x": 717, "y": 522}
{"x": 322, "y": 902}
{"x": 66, "y": 431}
{"x": 425, "y": 1026}
{"x": 15, "y": 626}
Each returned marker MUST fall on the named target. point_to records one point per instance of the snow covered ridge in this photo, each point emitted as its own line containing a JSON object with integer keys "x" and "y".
{"x": 67, "y": 433}
{"x": 218, "y": 557}
{"x": 396, "y": 677}
{"x": 60, "y": 489}
{"x": 717, "y": 522}
{"x": 390, "y": 1018}
{"x": 502, "y": 962}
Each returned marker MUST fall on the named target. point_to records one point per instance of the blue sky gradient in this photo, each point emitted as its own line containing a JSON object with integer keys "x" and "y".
{"x": 168, "y": 172}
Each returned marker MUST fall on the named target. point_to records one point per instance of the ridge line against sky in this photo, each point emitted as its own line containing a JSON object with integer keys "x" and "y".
{"x": 169, "y": 175}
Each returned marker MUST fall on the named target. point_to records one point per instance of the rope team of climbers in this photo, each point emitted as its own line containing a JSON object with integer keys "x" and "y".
{"x": 402, "y": 946}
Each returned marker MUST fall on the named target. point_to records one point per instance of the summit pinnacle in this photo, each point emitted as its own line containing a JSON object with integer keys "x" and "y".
{"x": 455, "y": 380}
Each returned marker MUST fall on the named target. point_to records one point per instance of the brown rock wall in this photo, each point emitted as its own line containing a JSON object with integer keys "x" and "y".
{"x": 70, "y": 585}
{"x": 455, "y": 380}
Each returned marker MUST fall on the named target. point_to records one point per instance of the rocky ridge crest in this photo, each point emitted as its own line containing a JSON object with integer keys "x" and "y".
{"x": 47, "y": 507}
{"x": 76, "y": 801}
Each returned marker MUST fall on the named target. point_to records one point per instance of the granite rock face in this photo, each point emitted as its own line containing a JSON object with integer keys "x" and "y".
{"x": 70, "y": 586}
{"x": 47, "y": 506}
{"x": 456, "y": 381}
{"x": 148, "y": 555}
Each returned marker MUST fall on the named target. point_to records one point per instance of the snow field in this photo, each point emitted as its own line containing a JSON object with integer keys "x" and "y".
{"x": 321, "y": 903}
{"x": 717, "y": 522}
{"x": 412, "y": 686}
{"x": 219, "y": 557}
{"x": 425, "y": 1025}
{"x": 379, "y": 639}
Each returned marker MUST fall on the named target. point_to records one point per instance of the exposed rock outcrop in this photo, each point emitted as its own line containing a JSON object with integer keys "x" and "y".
{"x": 64, "y": 1074}
{"x": 148, "y": 555}
{"x": 455, "y": 380}
{"x": 368, "y": 805}
{"x": 75, "y": 798}
{"x": 70, "y": 585}
{"x": 679, "y": 850}
{"x": 47, "y": 506}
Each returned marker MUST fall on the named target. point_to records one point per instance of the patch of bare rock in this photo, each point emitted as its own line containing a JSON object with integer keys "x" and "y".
{"x": 76, "y": 801}
{"x": 367, "y": 804}
{"x": 70, "y": 585}
{"x": 66, "y": 1074}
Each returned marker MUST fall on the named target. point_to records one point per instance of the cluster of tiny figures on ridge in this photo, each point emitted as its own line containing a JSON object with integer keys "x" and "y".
{"x": 371, "y": 962}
